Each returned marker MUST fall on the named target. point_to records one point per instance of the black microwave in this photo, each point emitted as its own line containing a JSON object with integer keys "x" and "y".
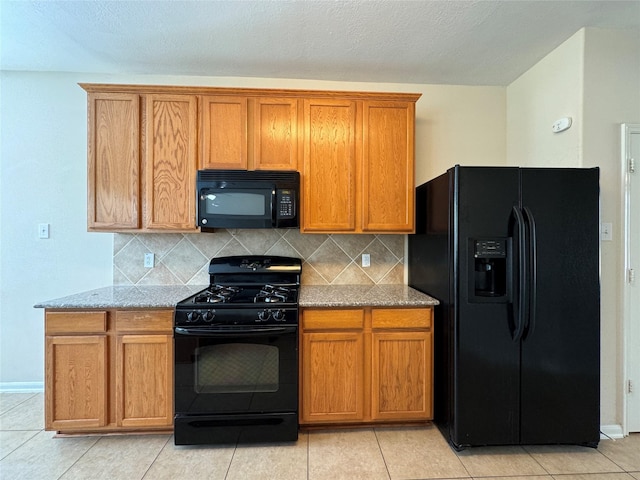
{"x": 247, "y": 199}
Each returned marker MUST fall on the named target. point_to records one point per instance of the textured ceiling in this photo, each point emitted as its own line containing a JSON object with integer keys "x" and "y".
{"x": 420, "y": 41}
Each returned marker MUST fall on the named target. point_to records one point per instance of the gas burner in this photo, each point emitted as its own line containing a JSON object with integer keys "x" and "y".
{"x": 216, "y": 294}
{"x": 272, "y": 294}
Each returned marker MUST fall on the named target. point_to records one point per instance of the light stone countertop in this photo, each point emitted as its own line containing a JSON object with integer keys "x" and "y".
{"x": 363, "y": 296}
{"x": 167, "y": 296}
{"x": 150, "y": 296}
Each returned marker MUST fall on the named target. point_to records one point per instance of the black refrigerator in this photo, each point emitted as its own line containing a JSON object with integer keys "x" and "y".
{"x": 513, "y": 255}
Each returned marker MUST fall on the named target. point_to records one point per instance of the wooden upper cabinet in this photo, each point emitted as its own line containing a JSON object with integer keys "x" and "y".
{"x": 329, "y": 165}
{"x": 275, "y": 134}
{"x": 358, "y": 166}
{"x": 113, "y": 161}
{"x": 354, "y": 151}
{"x": 243, "y": 133}
{"x": 224, "y": 132}
{"x": 388, "y": 166}
{"x": 171, "y": 162}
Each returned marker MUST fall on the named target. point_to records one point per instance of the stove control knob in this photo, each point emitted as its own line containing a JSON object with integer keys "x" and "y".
{"x": 278, "y": 315}
{"x": 208, "y": 316}
{"x": 264, "y": 314}
{"x": 193, "y": 316}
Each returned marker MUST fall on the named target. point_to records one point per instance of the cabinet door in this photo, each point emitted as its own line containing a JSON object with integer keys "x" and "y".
{"x": 170, "y": 162}
{"x": 113, "y": 161}
{"x": 388, "y": 167}
{"x": 144, "y": 380}
{"x": 401, "y": 370}
{"x": 330, "y": 166}
{"x": 275, "y": 133}
{"x": 224, "y": 132}
{"x": 75, "y": 382}
{"x": 333, "y": 377}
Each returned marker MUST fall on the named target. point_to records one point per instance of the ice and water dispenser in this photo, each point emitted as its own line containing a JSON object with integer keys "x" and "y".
{"x": 490, "y": 270}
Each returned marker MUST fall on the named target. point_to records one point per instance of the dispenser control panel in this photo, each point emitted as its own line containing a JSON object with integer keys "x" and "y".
{"x": 490, "y": 248}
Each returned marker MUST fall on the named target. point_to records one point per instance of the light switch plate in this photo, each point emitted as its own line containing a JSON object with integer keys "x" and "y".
{"x": 43, "y": 230}
{"x": 366, "y": 260}
{"x": 605, "y": 231}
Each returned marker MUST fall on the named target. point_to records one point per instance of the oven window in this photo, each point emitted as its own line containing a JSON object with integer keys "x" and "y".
{"x": 237, "y": 203}
{"x": 236, "y": 368}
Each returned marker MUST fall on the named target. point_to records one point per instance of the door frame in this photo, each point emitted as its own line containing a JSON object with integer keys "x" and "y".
{"x": 625, "y": 149}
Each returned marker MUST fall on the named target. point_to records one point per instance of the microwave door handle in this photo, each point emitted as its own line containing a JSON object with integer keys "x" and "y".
{"x": 274, "y": 206}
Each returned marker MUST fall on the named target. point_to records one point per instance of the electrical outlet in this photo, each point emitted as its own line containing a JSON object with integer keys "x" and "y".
{"x": 366, "y": 260}
{"x": 148, "y": 260}
{"x": 43, "y": 230}
{"x": 605, "y": 232}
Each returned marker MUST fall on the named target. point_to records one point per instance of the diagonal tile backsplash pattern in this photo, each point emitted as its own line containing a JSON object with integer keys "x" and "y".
{"x": 327, "y": 259}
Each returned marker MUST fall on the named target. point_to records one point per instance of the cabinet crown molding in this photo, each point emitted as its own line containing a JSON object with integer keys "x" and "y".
{"x": 197, "y": 90}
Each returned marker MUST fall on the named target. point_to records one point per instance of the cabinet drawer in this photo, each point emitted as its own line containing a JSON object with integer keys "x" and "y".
{"x": 332, "y": 319}
{"x": 144, "y": 321}
{"x": 75, "y": 322}
{"x": 401, "y": 318}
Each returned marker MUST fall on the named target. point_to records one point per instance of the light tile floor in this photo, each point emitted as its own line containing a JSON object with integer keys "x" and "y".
{"x": 28, "y": 452}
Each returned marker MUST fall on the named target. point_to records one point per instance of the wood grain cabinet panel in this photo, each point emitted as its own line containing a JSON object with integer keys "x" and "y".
{"x": 113, "y": 161}
{"x": 366, "y": 365}
{"x": 388, "y": 167}
{"x": 224, "y": 132}
{"x": 275, "y": 134}
{"x": 75, "y": 382}
{"x": 329, "y": 166}
{"x": 144, "y": 380}
{"x": 109, "y": 371}
{"x": 333, "y": 369}
{"x": 354, "y": 151}
{"x": 401, "y": 376}
{"x": 171, "y": 162}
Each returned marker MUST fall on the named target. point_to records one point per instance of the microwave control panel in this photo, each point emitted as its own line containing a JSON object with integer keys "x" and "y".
{"x": 286, "y": 203}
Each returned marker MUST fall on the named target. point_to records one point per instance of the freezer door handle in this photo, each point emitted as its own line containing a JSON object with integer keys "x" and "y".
{"x": 533, "y": 270}
{"x": 522, "y": 275}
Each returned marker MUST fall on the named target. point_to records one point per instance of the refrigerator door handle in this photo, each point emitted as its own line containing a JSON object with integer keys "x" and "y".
{"x": 522, "y": 274}
{"x": 533, "y": 270}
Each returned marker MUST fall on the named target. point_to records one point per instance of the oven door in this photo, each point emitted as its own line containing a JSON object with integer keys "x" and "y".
{"x": 236, "y": 370}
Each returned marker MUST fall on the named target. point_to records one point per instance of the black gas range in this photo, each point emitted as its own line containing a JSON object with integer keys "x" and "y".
{"x": 249, "y": 290}
{"x": 236, "y": 353}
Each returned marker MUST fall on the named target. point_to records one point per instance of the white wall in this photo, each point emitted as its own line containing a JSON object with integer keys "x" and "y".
{"x": 550, "y": 90}
{"x": 593, "y": 77}
{"x": 43, "y": 122}
{"x": 612, "y": 97}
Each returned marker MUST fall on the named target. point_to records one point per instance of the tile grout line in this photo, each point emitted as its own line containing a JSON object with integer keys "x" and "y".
{"x": 384, "y": 460}
{"x": 156, "y": 457}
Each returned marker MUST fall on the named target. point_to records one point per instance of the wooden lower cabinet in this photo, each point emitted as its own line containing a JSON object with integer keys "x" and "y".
{"x": 366, "y": 365}
{"x": 108, "y": 370}
{"x": 144, "y": 369}
{"x": 75, "y": 384}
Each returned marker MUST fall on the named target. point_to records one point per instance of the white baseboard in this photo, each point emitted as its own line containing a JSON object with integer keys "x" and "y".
{"x": 21, "y": 387}
{"x": 611, "y": 432}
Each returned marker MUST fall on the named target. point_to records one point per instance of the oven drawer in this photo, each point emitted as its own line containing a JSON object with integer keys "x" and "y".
{"x": 232, "y": 429}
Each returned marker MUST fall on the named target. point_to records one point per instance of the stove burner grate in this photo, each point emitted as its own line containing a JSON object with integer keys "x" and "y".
{"x": 272, "y": 294}
{"x": 217, "y": 294}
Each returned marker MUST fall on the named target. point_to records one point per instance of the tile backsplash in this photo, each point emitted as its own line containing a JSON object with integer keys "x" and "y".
{"x": 327, "y": 259}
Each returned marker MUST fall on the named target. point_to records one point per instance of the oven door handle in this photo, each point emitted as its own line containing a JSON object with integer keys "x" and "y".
{"x": 234, "y": 331}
